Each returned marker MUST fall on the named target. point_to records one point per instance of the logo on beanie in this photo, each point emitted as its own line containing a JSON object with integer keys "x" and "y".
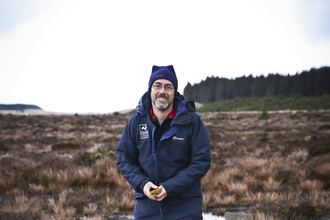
{"x": 159, "y": 75}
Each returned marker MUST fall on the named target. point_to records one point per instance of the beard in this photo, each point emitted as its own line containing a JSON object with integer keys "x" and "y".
{"x": 162, "y": 107}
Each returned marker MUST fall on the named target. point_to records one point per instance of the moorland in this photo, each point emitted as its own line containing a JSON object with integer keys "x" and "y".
{"x": 275, "y": 165}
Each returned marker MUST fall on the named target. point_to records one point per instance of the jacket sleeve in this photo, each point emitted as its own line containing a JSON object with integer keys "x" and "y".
{"x": 186, "y": 181}
{"x": 127, "y": 157}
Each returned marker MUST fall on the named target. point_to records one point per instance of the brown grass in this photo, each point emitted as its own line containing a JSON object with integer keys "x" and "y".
{"x": 312, "y": 185}
{"x": 63, "y": 167}
{"x": 271, "y": 184}
{"x": 238, "y": 188}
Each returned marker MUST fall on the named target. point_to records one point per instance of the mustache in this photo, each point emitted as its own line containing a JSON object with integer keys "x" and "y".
{"x": 162, "y": 96}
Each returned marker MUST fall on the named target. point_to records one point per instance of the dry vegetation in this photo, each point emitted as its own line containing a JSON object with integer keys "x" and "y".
{"x": 64, "y": 167}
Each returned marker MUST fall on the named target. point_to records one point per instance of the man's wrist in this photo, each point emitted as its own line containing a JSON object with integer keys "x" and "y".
{"x": 165, "y": 187}
{"x": 142, "y": 184}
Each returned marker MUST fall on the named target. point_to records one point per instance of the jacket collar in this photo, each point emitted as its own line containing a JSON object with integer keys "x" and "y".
{"x": 171, "y": 115}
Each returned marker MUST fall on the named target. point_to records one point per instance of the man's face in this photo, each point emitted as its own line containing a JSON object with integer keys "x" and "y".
{"x": 162, "y": 94}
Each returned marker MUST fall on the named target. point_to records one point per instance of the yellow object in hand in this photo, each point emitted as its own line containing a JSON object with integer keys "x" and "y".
{"x": 155, "y": 192}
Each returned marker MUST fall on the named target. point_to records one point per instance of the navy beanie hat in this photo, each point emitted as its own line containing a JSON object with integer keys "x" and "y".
{"x": 163, "y": 72}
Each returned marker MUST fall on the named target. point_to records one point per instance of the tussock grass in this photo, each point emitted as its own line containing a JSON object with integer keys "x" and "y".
{"x": 238, "y": 188}
{"x": 22, "y": 206}
{"x": 271, "y": 184}
{"x": 64, "y": 167}
{"x": 276, "y": 171}
{"x": 224, "y": 200}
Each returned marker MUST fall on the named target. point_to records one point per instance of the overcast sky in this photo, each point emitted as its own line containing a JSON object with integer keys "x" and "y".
{"x": 96, "y": 56}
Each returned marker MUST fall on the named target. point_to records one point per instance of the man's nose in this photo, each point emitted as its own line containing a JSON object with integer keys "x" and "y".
{"x": 162, "y": 90}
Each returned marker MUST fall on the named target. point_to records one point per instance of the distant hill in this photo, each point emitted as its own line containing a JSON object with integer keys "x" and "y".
{"x": 18, "y": 107}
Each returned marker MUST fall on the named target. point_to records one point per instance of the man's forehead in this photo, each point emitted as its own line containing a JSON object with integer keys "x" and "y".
{"x": 163, "y": 81}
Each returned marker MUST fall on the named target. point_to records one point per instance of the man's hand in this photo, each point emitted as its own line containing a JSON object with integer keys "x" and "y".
{"x": 149, "y": 186}
{"x": 162, "y": 194}
{"x": 146, "y": 190}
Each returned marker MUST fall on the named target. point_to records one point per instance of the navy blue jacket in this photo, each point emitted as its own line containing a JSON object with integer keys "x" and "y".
{"x": 179, "y": 162}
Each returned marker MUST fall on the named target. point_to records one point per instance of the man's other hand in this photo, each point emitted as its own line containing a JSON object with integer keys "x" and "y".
{"x": 146, "y": 190}
{"x": 162, "y": 194}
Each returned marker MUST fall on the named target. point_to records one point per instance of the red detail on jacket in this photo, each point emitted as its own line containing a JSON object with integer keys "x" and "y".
{"x": 171, "y": 115}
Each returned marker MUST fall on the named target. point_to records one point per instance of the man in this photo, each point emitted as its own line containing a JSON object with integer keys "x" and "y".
{"x": 165, "y": 146}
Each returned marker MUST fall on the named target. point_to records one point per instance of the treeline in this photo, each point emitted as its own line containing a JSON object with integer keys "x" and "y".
{"x": 315, "y": 82}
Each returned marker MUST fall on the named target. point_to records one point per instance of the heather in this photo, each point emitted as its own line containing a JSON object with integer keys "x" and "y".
{"x": 273, "y": 165}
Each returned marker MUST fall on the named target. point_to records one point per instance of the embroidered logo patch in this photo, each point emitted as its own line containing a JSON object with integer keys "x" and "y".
{"x": 159, "y": 75}
{"x": 177, "y": 138}
{"x": 143, "y": 131}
